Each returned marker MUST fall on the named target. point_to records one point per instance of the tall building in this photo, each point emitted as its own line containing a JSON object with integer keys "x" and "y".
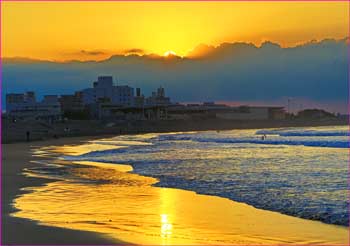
{"x": 104, "y": 90}
{"x": 103, "y": 82}
{"x": 138, "y": 92}
{"x": 139, "y": 100}
{"x": 160, "y": 92}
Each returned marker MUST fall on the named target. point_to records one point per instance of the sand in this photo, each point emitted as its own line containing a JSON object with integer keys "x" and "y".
{"x": 15, "y": 157}
{"x": 173, "y": 216}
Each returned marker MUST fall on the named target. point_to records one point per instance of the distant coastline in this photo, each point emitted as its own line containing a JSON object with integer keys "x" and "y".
{"x": 16, "y": 132}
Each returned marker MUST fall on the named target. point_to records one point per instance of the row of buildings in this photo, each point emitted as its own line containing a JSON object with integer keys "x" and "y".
{"x": 104, "y": 100}
{"x": 25, "y": 105}
{"x": 103, "y": 96}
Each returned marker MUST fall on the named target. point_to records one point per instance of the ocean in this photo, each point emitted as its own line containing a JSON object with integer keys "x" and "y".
{"x": 298, "y": 171}
{"x": 194, "y": 188}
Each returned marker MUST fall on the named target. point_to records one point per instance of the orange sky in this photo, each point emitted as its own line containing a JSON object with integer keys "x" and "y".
{"x": 96, "y": 30}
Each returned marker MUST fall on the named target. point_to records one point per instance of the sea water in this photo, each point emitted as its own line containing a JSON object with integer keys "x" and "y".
{"x": 301, "y": 172}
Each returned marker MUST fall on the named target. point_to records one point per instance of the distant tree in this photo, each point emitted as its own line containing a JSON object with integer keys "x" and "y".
{"x": 315, "y": 114}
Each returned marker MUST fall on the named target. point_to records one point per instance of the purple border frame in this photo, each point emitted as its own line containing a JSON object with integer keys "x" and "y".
{"x": 348, "y": 53}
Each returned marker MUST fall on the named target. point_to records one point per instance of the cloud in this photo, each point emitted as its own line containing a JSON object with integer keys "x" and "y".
{"x": 315, "y": 71}
{"x": 201, "y": 50}
{"x": 134, "y": 51}
{"x": 80, "y": 53}
{"x": 91, "y": 52}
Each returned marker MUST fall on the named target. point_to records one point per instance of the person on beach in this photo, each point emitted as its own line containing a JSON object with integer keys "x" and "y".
{"x": 28, "y": 136}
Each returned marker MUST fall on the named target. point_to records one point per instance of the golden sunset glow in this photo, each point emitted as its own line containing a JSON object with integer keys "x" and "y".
{"x": 97, "y": 30}
{"x": 170, "y": 53}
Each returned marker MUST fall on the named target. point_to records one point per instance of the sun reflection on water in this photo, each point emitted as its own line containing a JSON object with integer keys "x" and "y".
{"x": 166, "y": 226}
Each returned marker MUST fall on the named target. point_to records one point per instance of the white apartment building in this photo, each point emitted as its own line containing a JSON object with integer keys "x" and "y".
{"x": 104, "y": 91}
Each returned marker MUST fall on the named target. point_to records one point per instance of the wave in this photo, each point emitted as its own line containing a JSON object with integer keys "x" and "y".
{"x": 304, "y": 133}
{"x": 333, "y": 143}
{"x": 309, "y": 143}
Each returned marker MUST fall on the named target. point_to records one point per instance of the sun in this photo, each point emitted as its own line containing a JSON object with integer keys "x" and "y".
{"x": 169, "y": 53}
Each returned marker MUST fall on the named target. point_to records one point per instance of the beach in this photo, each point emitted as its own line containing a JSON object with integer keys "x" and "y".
{"x": 125, "y": 207}
{"x": 16, "y": 157}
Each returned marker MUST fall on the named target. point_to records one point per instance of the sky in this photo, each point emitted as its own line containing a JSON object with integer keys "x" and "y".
{"x": 61, "y": 31}
{"x": 314, "y": 74}
{"x": 223, "y": 49}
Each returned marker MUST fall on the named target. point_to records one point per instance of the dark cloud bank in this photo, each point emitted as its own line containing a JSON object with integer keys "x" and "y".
{"x": 315, "y": 71}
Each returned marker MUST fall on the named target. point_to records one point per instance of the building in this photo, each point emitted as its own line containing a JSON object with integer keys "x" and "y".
{"x": 71, "y": 102}
{"x": 25, "y": 106}
{"x": 16, "y": 101}
{"x": 104, "y": 111}
{"x": 50, "y": 99}
{"x": 158, "y": 98}
{"x": 104, "y": 90}
{"x": 220, "y": 111}
{"x": 139, "y": 99}
{"x": 108, "y": 101}
{"x": 30, "y": 97}
{"x": 252, "y": 113}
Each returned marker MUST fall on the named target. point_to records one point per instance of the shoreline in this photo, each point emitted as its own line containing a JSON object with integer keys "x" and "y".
{"x": 16, "y": 132}
{"x": 33, "y": 230}
{"x": 16, "y": 230}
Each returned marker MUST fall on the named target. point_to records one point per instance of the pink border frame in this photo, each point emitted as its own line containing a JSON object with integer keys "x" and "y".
{"x": 329, "y": 1}
{"x": 174, "y": 0}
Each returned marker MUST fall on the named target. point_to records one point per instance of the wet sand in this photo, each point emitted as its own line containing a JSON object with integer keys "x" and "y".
{"x": 129, "y": 208}
{"x": 17, "y": 231}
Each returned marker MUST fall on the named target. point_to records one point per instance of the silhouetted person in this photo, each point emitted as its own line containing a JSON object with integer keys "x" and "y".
{"x": 28, "y": 136}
